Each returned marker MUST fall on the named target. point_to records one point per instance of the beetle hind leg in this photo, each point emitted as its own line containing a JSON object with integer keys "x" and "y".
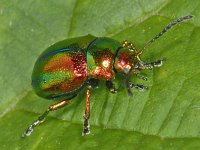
{"x": 41, "y": 118}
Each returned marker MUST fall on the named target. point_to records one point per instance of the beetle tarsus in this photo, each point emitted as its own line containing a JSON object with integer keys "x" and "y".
{"x": 111, "y": 87}
{"x": 41, "y": 118}
{"x": 127, "y": 80}
{"x": 140, "y": 87}
{"x": 141, "y": 77}
{"x": 86, "y": 126}
{"x": 27, "y": 132}
{"x": 151, "y": 65}
{"x": 157, "y": 63}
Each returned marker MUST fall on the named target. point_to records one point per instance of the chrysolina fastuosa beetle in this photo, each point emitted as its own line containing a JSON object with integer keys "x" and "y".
{"x": 64, "y": 69}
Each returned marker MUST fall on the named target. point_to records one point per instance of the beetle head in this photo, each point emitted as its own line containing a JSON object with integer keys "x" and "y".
{"x": 127, "y": 59}
{"x": 128, "y": 62}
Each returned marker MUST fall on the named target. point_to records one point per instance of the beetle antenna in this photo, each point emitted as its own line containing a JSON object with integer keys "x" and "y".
{"x": 165, "y": 30}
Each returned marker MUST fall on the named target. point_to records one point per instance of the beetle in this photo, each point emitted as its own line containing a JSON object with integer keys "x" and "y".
{"x": 64, "y": 69}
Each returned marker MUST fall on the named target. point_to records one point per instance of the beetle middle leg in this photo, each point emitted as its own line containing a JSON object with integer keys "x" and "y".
{"x": 137, "y": 86}
{"x": 41, "y": 118}
{"x": 86, "y": 116}
{"x": 93, "y": 83}
{"x": 111, "y": 87}
{"x": 129, "y": 85}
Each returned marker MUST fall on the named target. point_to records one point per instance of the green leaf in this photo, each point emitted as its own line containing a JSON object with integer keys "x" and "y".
{"x": 166, "y": 116}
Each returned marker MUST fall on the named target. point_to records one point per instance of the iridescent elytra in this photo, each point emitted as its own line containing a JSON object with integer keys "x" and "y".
{"x": 64, "y": 69}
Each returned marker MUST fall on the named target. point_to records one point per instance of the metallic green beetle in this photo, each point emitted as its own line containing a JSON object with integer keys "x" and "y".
{"x": 67, "y": 67}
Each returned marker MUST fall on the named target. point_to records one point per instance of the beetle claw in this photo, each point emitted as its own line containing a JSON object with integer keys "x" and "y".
{"x": 27, "y": 132}
{"x": 130, "y": 93}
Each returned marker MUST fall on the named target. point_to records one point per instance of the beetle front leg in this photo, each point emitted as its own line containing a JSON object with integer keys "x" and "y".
{"x": 111, "y": 87}
{"x": 86, "y": 116}
{"x": 151, "y": 65}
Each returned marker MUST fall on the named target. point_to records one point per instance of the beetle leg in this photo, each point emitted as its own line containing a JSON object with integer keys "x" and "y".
{"x": 111, "y": 87}
{"x": 93, "y": 83}
{"x": 141, "y": 77}
{"x": 137, "y": 86}
{"x": 151, "y": 65}
{"x": 86, "y": 116}
{"x": 41, "y": 118}
{"x": 127, "y": 82}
